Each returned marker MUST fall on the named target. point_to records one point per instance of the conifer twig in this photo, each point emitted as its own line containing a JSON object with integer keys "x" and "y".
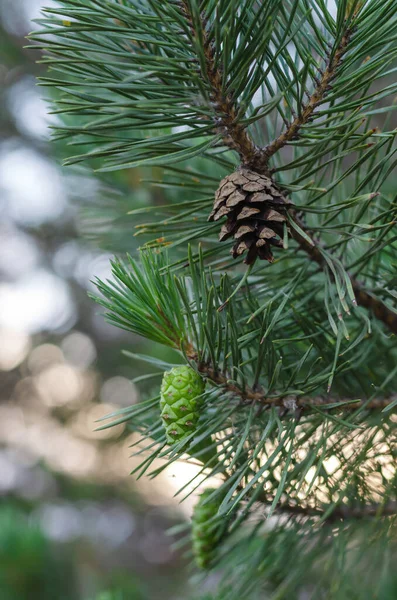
{"x": 364, "y": 297}
{"x": 340, "y": 512}
{"x": 234, "y": 135}
{"x": 293, "y": 403}
{"x": 305, "y": 115}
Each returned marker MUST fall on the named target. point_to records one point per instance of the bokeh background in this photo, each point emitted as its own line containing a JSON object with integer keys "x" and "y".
{"x": 73, "y": 522}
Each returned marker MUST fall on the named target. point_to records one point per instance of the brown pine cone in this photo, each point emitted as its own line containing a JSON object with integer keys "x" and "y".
{"x": 255, "y": 209}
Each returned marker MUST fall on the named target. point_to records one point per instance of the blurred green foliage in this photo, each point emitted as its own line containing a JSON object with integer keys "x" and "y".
{"x": 128, "y": 594}
{"x": 30, "y": 568}
{"x": 35, "y": 565}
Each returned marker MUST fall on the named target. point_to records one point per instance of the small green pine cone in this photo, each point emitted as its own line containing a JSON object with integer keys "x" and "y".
{"x": 206, "y": 529}
{"x": 180, "y": 402}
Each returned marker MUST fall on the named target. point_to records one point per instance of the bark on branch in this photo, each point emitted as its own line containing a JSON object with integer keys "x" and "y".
{"x": 291, "y": 403}
{"x": 341, "y": 512}
{"x": 323, "y": 86}
{"x": 227, "y": 111}
{"x": 363, "y": 297}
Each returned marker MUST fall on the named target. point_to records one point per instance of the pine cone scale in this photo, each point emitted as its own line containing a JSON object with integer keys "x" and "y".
{"x": 261, "y": 197}
{"x": 244, "y": 229}
{"x": 267, "y": 233}
{"x": 235, "y": 198}
{"x": 247, "y": 212}
{"x": 253, "y": 186}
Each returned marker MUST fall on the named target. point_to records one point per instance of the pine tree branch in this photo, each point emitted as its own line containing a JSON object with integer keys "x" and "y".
{"x": 236, "y": 137}
{"x": 227, "y": 110}
{"x": 292, "y": 403}
{"x": 234, "y": 134}
{"x": 306, "y": 114}
{"x": 340, "y": 511}
{"x": 364, "y": 298}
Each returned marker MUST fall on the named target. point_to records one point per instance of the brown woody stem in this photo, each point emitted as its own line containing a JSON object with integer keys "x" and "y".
{"x": 315, "y": 99}
{"x": 340, "y": 512}
{"x": 363, "y": 297}
{"x": 329, "y": 513}
{"x": 249, "y": 395}
{"x": 234, "y": 135}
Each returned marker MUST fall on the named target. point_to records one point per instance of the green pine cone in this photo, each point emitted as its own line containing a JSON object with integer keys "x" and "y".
{"x": 206, "y": 530}
{"x": 180, "y": 402}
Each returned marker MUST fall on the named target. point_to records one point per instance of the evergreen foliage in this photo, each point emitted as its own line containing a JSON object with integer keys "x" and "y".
{"x": 298, "y": 417}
